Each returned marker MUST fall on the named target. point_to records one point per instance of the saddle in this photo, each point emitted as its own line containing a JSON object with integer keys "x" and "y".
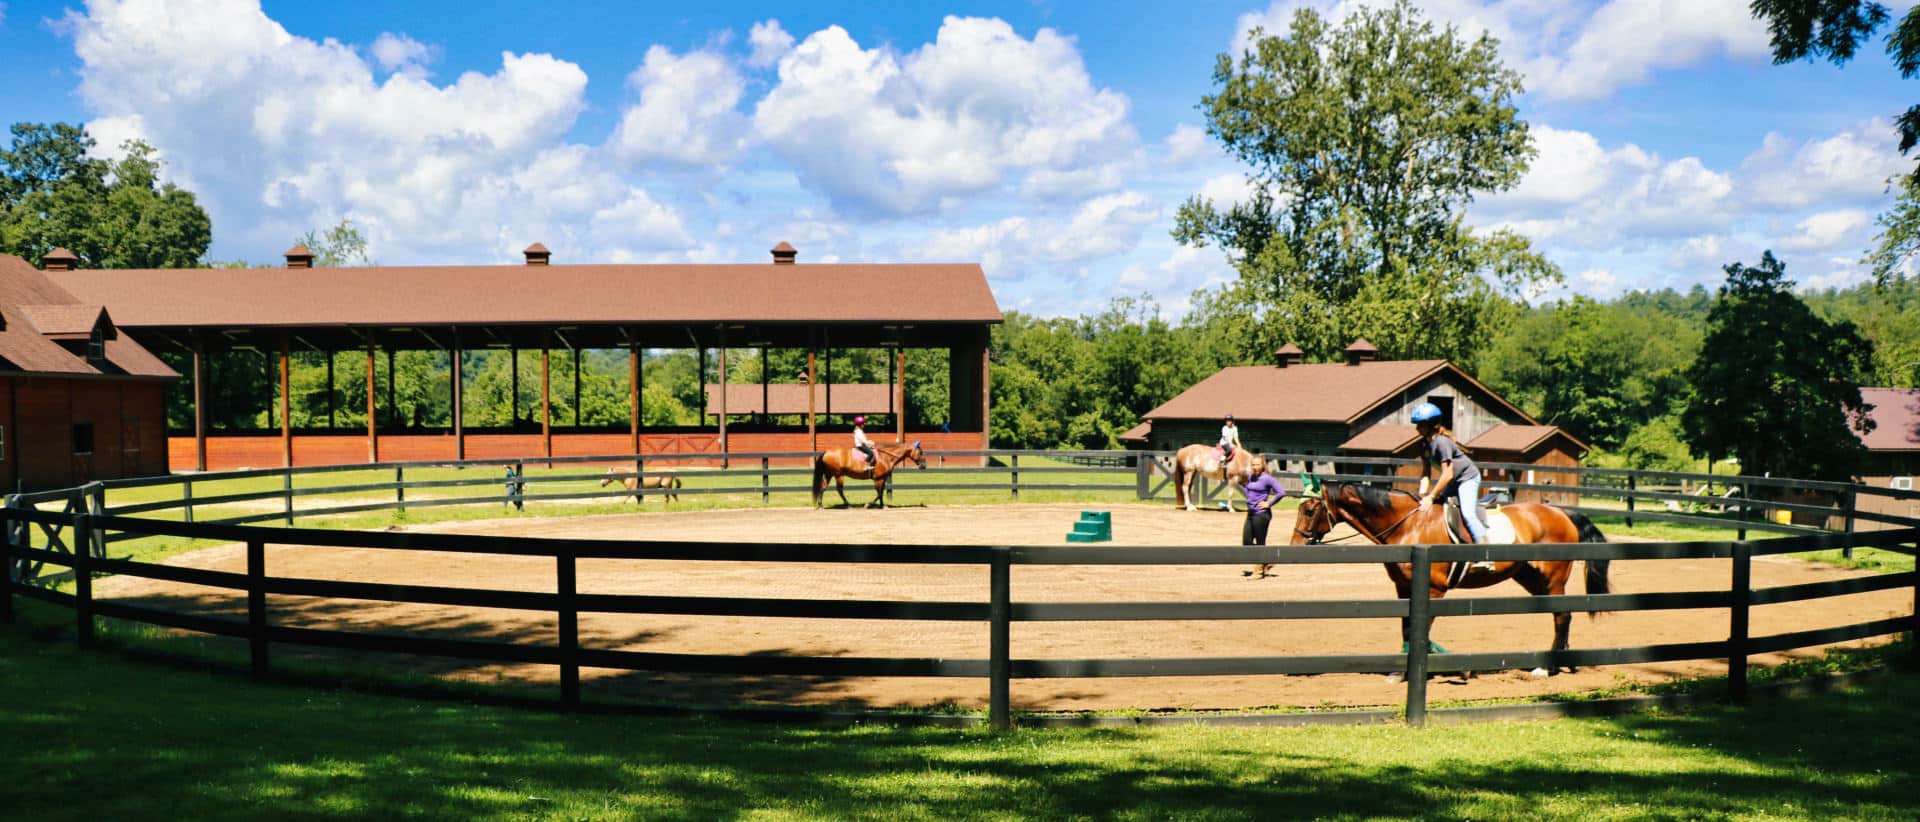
{"x": 1457, "y": 527}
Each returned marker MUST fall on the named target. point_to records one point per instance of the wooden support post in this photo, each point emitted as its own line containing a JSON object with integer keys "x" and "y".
{"x": 373, "y": 434}
{"x": 394, "y": 420}
{"x": 513, "y": 402}
{"x": 330, "y": 402}
{"x": 546, "y": 405}
{"x": 257, "y": 606}
{"x": 723, "y": 399}
{"x": 199, "y": 403}
{"x": 899, "y": 398}
{"x": 1739, "y": 614}
{"x": 1632, "y": 493}
{"x": 566, "y": 585}
{"x": 83, "y": 579}
{"x": 633, "y": 394}
{"x": 766, "y": 388}
{"x": 457, "y": 361}
{"x": 286, "y": 407}
{"x": 576, "y": 352}
{"x": 702, "y": 353}
{"x": 266, "y": 361}
{"x": 1000, "y": 641}
{"x": 813, "y": 434}
{"x": 1419, "y": 623}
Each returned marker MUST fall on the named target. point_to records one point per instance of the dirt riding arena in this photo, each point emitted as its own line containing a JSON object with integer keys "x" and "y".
{"x": 997, "y": 524}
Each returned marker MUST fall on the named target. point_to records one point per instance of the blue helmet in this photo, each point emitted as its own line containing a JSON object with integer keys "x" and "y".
{"x": 1425, "y": 412}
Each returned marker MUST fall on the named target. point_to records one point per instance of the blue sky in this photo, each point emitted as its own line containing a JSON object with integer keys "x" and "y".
{"x": 1050, "y": 141}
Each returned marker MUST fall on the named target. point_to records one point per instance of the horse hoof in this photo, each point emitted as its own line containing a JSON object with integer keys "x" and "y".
{"x": 1396, "y": 678}
{"x": 1538, "y": 673}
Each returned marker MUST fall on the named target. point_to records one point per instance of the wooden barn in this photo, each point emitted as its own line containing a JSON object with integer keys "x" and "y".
{"x": 1893, "y": 450}
{"x": 1359, "y": 407}
{"x": 79, "y": 401}
{"x": 931, "y": 317}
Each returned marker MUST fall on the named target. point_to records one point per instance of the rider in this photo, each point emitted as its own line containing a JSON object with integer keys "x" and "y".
{"x": 1458, "y": 474}
{"x": 861, "y": 443}
{"x": 1229, "y": 439}
{"x": 1262, "y": 492}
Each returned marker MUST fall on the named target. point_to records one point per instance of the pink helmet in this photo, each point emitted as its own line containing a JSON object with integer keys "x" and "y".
{"x": 859, "y": 420}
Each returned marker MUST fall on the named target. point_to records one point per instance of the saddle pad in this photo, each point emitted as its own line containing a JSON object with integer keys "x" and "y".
{"x": 1499, "y": 528}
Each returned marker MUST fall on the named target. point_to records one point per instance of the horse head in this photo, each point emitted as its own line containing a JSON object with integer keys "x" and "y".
{"x": 917, "y": 456}
{"x": 607, "y": 479}
{"x": 1312, "y": 522}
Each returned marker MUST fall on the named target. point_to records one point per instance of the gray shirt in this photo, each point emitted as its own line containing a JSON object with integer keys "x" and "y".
{"x": 1444, "y": 449}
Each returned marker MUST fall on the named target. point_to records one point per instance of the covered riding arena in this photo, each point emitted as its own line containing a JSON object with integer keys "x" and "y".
{"x": 1143, "y": 524}
{"x": 236, "y": 333}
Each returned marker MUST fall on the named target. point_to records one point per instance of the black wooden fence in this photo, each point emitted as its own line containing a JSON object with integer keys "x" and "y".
{"x": 74, "y": 537}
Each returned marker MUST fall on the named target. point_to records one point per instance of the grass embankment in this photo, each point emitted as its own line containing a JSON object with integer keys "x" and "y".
{"x": 91, "y": 736}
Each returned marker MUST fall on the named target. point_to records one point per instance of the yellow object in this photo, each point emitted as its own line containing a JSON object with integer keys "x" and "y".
{"x": 1782, "y": 517}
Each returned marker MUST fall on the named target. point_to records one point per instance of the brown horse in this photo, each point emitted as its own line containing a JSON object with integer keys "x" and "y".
{"x": 640, "y": 484}
{"x": 840, "y": 463}
{"x": 1204, "y": 460}
{"x": 1394, "y": 518}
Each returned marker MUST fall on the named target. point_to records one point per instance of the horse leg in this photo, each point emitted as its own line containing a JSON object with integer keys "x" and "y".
{"x": 1540, "y": 584}
{"x": 840, "y": 487}
{"x": 879, "y": 493}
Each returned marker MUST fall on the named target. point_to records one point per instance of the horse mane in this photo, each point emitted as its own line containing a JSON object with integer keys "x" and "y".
{"x": 1373, "y": 496}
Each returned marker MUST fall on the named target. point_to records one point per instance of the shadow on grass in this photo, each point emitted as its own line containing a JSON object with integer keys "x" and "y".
{"x": 184, "y": 744}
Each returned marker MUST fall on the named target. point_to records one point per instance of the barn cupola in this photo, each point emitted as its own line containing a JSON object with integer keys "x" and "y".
{"x": 1288, "y": 354}
{"x": 1361, "y": 351}
{"x": 59, "y": 259}
{"x": 537, "y": 254}
{"x": 299, "y": 256}
{"x": 784, "y": 254}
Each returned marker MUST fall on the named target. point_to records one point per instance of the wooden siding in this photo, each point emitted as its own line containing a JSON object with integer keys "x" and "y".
{"x": 40, "y": 414}
{"x": 226, "y": 452}
{"x": 1473, "y": 413}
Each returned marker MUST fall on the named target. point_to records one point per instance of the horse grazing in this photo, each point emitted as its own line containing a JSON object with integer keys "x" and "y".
{"x": 638, "y": 485}
{"x": 1394, "y": 517}
{"x": 1204, "y": 460}
{"x": 840, "y": 463}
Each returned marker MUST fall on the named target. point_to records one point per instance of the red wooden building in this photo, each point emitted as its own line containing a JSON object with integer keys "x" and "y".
{"x": 935, "y": 311}
{"x": 79, "y": 401}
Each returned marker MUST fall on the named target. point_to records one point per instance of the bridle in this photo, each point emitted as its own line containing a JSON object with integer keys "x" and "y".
{"x": 1327, "y": 509}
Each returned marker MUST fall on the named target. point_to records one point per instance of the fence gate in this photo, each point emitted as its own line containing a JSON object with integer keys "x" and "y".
{"x": 58, "y": 535}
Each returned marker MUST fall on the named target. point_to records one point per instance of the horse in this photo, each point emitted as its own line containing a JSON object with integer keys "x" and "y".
{"x": 1205, "y": 460}
{"x": 639, "y": 484}
{"x": 1393, "y": 517}
{"x": 840, "y": 463}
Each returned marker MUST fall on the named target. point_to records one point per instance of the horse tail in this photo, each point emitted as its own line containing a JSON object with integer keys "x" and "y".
{"x": 819, "y": 477}
{"x": 1597, "y": 582}
{"x": 1179, "y": 481}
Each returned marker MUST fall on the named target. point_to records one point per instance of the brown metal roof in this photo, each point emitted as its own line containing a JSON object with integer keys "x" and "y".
{"x": 25, "y": 346}
{"x": 66, "y": 321}
{"x": 509, "y": 294}
{"x": 1383, "y": 439}
{"x": 791, "y": 398}
{"x": 1896, "y": 419}
{"x": 1323, "y": 392}
{"x": 1138, "y": 433}
{"x": 1519, "y": 439}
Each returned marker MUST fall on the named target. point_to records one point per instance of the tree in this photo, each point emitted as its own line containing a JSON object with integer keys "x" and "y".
{"x": 1834, "y": 29}
{"x": 340, "y": 245}
{"x": 1364, "y": 144}
{"x": 1601, "y": 371}
{"x": 109, "y": 214}
{"x": 1776, "y": 385}
{"x": 1898, "y": 240}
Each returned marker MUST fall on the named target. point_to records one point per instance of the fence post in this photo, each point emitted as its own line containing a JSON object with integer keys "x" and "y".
{"x": 400, "y": 487}
{"x": 257, "y": 606}
{"x": 1741, "y": 597}
{"x": 1633, "y": 491}
{"x": 97, "y": 506}
{"x": 1419, "y": 617}
{"x": 83, "y": 579}
{"x": 187, "y": 495}
{"x": 765, "y": 497}
{"x": 569, "y": 627}
{"x": 1142, "y": 474}
{"x": 1743, "y": 512}
{"x": 6, "y": 561}
{"x": 286, "y": 493}
{"x": 1000, "y": 642}
{"x": 1016, "y": 476}
{"x": 1852, "y": 499}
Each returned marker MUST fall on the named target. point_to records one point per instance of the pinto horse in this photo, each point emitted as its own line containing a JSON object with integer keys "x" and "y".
{"x": 1204, "y": 460}
{"x": 638, "y": 485}
{"x": 839, "y": 463}
{"x": 1393, "y": 517}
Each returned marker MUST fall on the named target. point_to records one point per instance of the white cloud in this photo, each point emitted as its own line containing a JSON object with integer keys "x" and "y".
{"x": 398, "y": 51}
{"x": 282, "y": 134}
{"x": 1578, "y": 193}
{"x": 1851, "y": 166}
{"x": 1101, "y": 227}
{"x": 1828, "y": 231}
{"x": 688, "y": 111}
{"x": 1189, "y": 144}
{"x": 979, "y": 108}
{"x": 1598, "y": 281}
{"x": 769, "y": 42}
{"x": 1571, "y": 50}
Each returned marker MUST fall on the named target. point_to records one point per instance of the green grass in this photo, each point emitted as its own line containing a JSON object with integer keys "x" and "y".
{"x": 92, "y": 736}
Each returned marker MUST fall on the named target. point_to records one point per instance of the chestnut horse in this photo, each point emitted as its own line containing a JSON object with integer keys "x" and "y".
{"x": 840, "y": 463}
{"x": 1204, "y": 460}
{"x": 638, "y": 485}
{"x": 1393, "y": 517}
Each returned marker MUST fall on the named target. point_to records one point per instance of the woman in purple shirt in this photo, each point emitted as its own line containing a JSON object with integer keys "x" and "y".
{"x": 1262, "y": 492}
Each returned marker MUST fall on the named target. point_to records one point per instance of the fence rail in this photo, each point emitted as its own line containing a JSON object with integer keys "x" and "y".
{"x": 74, "y": 538}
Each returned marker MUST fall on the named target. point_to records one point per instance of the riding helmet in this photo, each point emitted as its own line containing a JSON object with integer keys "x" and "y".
{"x": 1425, "y": 411}
{"x": 859, "y": 420}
